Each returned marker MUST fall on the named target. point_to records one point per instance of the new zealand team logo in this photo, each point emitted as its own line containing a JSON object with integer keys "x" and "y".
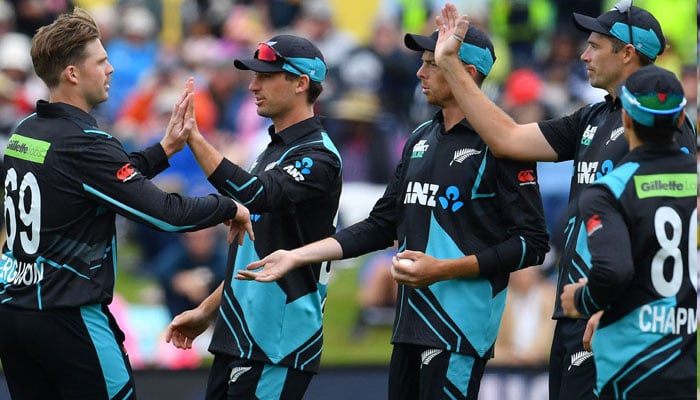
{"x": 126, "y": 172}
{"x": 463, "y": 154}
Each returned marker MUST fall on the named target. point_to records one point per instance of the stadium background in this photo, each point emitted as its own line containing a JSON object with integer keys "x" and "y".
{"x": 350, "y": 368}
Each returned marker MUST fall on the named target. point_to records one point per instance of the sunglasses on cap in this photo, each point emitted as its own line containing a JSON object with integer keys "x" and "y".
{"x": 625, "y": 7}
{"x": 265, "y": 52}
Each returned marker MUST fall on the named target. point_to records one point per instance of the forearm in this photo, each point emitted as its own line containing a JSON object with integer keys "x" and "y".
{"x": 327, "y": 249}
{"x": 466, "y": 267}
{"x": 210, "y": 305}
{"x": 206, "y": 155}
{"x": 492, "y": 123}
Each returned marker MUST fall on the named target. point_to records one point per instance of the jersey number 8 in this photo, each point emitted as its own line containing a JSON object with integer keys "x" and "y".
{"x": 669, "y": 242}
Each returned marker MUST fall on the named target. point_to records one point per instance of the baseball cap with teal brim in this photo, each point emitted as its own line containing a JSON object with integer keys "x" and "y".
{"x": 476, "y": 48}
{"x": 630, "y": 24}
{"x": 653, "y": 96}
{"x": 288, "y": 53}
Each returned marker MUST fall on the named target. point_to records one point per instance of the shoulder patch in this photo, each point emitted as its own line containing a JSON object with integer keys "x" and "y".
{"x": 126, "y": 172}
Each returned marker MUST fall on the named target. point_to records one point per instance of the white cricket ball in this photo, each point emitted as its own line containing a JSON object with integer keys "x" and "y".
{"x": 405, "y": 261}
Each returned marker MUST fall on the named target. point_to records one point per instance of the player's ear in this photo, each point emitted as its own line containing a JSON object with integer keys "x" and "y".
{"x": 681, "y": 119}
{"x": 70, "y": 73}
{"x": 471, "y": 70}
{"x": 303, "y": 83}
{"x": 626, "y": 120}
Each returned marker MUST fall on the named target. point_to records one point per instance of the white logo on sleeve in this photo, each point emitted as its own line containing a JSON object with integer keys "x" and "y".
{"x": 237, "y": 372}
{"x": 428, "y": 355}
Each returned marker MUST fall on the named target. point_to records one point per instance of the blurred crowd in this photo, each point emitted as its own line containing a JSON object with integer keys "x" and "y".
{"x": 371, "y": 101}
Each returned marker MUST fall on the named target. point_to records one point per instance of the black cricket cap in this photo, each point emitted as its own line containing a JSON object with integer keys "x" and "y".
{"x": 299, "y": 56}
{"x": 646, "y": 32}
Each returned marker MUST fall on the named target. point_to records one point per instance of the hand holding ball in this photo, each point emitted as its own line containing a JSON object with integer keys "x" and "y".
{"x": 405, "y": 261}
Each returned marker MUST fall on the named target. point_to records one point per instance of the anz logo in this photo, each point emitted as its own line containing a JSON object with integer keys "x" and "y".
{"x": 587, "y": 172}
{"x": 300, "y": 168}
{"x": 428, "y": 194}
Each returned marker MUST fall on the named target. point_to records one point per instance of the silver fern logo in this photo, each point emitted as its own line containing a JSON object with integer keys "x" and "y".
{"x": 428, "y": 355}
{"x": 237, "y": 372}
{"x": 578, "y": 358}
{"x": 463, "y": 154}
{"x": 615, "y": 134}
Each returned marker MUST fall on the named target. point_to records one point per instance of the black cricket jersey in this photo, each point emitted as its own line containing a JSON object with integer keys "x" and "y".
{"x": 641, "y": 222}
{"x": 450, "y": 197}
{"x": 593, "y": 138}
{"x": 292, "y": 192}
{"x": 65, "y": 181}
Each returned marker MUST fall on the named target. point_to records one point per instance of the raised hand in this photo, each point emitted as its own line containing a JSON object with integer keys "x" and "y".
{"x": 182, "y": 121}
{"x": 452, "y": 27}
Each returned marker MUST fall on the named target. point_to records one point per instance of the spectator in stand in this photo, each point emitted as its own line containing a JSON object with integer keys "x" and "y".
{"x": 31, "y": 15}
{"x": 386, "y": 69}
{"x": 377, "y": 294}
{"x": 16, "y": 64}
{"x": 134, "y": 53}
{"x": 316, "y": 22}
{"x": 190, "y": 268}
{"x": 565, "y": 83}
{"x": 366, "y": 150}
{"x": 523, "y": 24}
{"x": 527, "y": 327}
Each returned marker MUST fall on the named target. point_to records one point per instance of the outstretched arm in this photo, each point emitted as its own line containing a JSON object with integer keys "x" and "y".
{"x": 504, "y": 136}
{"x": 280, "y": 262}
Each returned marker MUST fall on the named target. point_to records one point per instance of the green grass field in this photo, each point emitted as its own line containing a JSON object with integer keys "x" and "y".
{"x": 340, "y": 313}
